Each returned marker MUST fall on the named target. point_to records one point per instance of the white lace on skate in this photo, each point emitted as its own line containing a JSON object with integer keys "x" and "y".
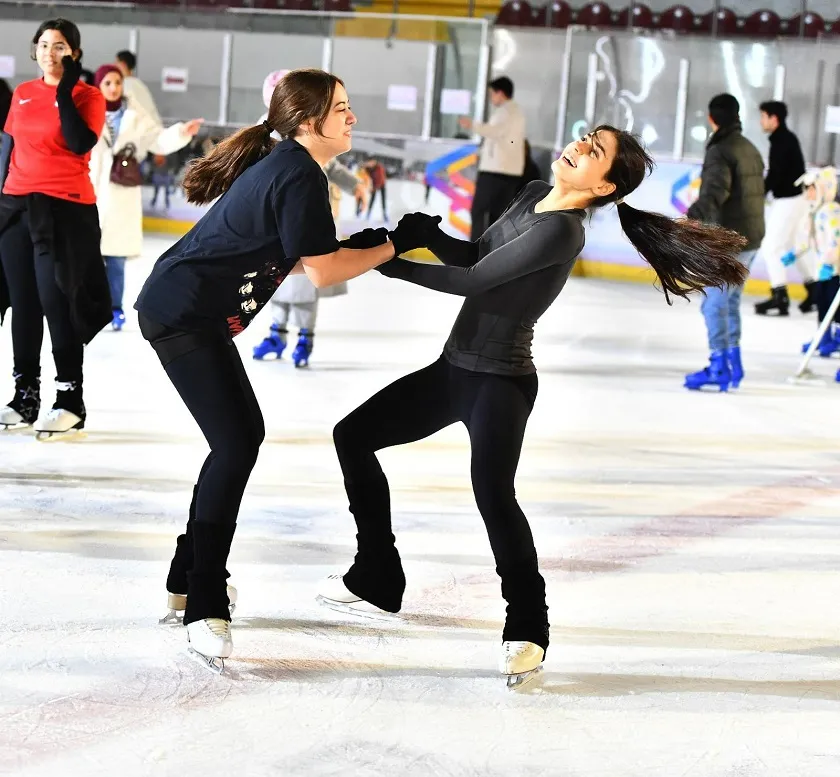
{"x": 521, "y": 662}
{"x": 334, "y": 594}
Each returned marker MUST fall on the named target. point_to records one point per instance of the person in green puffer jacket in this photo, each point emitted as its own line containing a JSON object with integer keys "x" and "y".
{"x": 732, "y": 195}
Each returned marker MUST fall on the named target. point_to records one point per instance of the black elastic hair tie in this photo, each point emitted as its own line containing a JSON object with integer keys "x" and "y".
{"x": 268, "y": 127}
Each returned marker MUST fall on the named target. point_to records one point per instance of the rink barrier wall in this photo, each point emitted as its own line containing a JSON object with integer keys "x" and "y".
{"x": 584, "y": 268}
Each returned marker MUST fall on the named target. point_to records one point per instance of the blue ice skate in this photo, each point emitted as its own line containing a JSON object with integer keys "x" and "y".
{"x": 117, "y": 320}
{"x": 303, "y": 349}
{"x": 716, "y": 375}
{"x": 736, "y": 368}
{"x": 275, "y": 344}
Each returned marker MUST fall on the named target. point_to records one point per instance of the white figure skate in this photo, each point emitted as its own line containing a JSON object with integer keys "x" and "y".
{"x": 177, "y": 603}
{"x": 59, "y": 424}
{"x": 11, "y": 420}
{"x": 334, "y": 594}
{"x": 210, "y": 643}
{"x": 521, "y": 662}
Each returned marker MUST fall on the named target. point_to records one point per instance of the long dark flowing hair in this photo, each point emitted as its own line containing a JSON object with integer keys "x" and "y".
{"x": 686, "y": 255}
{"x": 299, "y": 96}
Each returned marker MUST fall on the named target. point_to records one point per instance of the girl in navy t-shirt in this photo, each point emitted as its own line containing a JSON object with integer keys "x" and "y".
{"x": 272, "y": 218}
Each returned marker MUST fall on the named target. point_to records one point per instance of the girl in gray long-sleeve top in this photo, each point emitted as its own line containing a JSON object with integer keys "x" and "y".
{"x": 486, "y": 377}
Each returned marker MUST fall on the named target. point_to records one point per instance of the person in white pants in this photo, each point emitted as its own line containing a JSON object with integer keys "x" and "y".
{"x": 786, "y": 211}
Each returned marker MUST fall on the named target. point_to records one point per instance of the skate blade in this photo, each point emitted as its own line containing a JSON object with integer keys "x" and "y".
{"x": 358, "y": 609}
{"x": 171, "y": 618}
{"x": 15, "y": 428}
{"x": 214, "y": 664}
{"x": 73, "y": 435}
{"x": 517, "y": 681}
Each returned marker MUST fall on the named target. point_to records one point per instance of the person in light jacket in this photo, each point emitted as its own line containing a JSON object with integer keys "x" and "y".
{"x": 127, "y": 124}
{"x": 501, "y": 159}
{"x": 297, "y": 298}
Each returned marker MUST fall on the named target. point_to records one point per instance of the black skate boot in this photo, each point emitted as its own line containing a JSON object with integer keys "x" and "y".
{"x": 810, "y": 301}
{"x": 779, "y": 301}
{"x": 22, "y": 411}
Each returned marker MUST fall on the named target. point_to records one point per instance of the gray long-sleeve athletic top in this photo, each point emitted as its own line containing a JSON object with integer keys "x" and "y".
{"x": 510, "y": 277}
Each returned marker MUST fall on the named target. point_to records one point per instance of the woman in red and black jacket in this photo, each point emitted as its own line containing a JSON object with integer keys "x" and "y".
{"x": 49, "y": 231}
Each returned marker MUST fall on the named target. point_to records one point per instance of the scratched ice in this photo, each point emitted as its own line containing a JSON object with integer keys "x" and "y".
{"x": 690, "y": 543}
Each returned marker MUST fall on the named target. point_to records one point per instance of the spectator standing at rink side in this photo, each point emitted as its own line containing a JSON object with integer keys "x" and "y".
{"x": 49, "y": 231}
{"x": 501, "y": 158}
{"x": 732, "y": 195}
{"x": 133, "y": 87}
{"x": 130, "y": 133}
{"x": 787, "y": 209}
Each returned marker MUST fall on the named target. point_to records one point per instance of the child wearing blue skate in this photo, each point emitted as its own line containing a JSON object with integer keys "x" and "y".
{"x": 819, "y": 233}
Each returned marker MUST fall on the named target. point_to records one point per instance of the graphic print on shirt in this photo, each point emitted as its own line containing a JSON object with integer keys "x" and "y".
{"x": 256, "y": 290}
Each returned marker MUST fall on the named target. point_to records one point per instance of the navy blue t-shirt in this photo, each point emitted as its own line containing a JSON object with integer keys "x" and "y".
{"x": 228, "y": 266}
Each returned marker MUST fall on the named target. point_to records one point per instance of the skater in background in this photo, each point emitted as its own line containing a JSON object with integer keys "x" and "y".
{"x": 133, "y": 87}
{"x": 130, "y": 133}
{"x": 163, "y": 177}
{"x": 501, "y": 157}
{"x": 486, "y": 377}
{"x": 49, "y": 232}
{"x": 818, "y": 236}
{"x": 365, "y": 190}
{"x": 272, "y": 217}
{"x": 378, "y": 185}
{"x": 296, "y": 300}
{"x": 732, "y": 195}
{"x": 786, "y": 211}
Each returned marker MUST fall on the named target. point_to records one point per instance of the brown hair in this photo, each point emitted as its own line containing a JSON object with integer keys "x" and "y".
{"x": 299, "y": 96}
{"x": 686, "y": 255}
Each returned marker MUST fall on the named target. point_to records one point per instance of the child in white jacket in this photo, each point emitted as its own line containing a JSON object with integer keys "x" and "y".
{"x": 819, "y": 233}
{"x": 128, "y": 127}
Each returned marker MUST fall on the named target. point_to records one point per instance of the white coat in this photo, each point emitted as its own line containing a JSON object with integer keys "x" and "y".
{"x": 121, "y": 207}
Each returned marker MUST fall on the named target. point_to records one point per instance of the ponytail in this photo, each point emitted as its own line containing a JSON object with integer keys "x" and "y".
{"x": 211, "y": 176}
{"x": 300, "y": 96}
{"x": 686, "y": 255}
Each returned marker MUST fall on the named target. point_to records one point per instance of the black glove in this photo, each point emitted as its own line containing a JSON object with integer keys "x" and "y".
{"x": 71, "y": 75}
{"x": 415, "y": 230}
{"x": 367, "y": 238}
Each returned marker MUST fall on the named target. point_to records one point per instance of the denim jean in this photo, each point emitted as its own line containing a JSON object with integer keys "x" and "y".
{"x": 115, "y": 270}
{"x": 722, "y": 310}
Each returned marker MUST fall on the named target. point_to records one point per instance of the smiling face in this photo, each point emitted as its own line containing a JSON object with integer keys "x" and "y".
{"x": 336, "y": 135}
{"x": 585, "y": 163}
{"x": 112, "y": 87}
{"x": 50, "y": 48}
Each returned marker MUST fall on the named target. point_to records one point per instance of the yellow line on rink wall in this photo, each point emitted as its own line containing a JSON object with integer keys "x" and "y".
{"x": 585, "y": 268}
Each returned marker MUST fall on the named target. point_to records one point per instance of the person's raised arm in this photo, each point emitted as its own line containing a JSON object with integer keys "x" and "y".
{"x": 547, "y": 243}
{"x": 80, "y": 125}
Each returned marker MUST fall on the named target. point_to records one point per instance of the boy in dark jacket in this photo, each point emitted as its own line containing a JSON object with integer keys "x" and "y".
{"x": 732, "y": 195}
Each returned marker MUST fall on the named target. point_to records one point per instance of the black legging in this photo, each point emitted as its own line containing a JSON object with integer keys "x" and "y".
{"x": 495, "y": 410}
{"x": 207, "y": 372}
{"x": 34, "y": 294}
{"x": 381, "y": 193}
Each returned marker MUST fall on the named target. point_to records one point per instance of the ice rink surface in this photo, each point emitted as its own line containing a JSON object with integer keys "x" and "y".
{"x": 691, "y": 545}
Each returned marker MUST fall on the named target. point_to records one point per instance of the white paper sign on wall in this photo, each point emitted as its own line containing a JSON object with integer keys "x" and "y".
{"x": 455, "y": 101}
{"x": 402, "y": 97}
{"x": 174, "y": 79}
{"x": 7, "y": 66}
{"x": 832, "y": 118}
